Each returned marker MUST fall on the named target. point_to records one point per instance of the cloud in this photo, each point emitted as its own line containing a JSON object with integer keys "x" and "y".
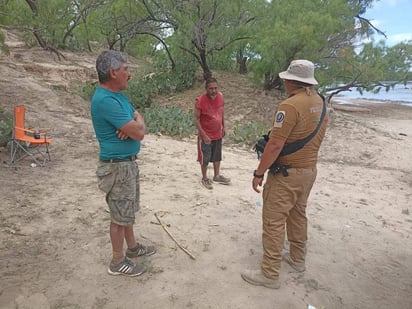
{"x": 391, "y": 3}
{"x": 399, "y": 37}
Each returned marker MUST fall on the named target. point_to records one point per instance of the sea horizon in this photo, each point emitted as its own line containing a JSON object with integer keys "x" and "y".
{"x": 401, "y": 94}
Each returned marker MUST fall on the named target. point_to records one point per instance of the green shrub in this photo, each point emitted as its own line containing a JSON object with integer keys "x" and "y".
{"x": 247, "y": 133}
{"x": 86, "y": 90}
{"x": 6, "y": 124}
{"x": 3, "y": 47}
{"x": 169, "y": 120}
{"x": 141, "y": 92}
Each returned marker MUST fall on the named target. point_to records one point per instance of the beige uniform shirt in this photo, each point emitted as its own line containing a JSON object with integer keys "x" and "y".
{"x": 296, "y": 118}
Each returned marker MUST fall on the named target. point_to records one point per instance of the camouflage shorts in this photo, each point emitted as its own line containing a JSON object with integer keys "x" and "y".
{"x": 120, "y": 182}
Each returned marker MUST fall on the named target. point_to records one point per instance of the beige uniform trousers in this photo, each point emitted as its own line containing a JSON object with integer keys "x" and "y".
{"x": 284, "y": 203}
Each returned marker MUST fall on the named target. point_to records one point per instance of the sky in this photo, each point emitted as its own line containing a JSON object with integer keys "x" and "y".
{"x": 394, "y": 17}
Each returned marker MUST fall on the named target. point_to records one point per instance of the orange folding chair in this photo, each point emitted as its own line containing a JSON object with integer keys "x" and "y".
{"x": 28, "y": 142}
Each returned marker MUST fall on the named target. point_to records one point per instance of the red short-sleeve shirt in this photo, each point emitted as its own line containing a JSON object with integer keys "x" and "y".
{"x": 211, "y": 116}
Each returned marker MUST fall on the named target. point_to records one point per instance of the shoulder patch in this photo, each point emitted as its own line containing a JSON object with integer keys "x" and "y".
{"x": 279, "y": 117}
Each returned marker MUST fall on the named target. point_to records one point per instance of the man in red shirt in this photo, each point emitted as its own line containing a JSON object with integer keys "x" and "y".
{"x": 210, "y": 123}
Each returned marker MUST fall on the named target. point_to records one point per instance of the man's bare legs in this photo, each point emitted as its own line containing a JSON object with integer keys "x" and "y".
{"x": 129, "y": 236}
{"x": 118, "y": 234}
{"x": 217, "y": 177}
{"x": 204, "y": 171}
{"x": 206, "y": 182}
{"x": 216, "y": 168}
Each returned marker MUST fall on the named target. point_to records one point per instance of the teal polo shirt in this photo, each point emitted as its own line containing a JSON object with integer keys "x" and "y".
{"x": 110, "y": 111}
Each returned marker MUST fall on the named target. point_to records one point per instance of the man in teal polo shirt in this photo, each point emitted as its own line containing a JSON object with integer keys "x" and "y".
{"x": 119, "y": 129}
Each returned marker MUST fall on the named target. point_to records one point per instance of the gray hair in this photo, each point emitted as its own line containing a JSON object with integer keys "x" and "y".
{"x": 107, "y": 60}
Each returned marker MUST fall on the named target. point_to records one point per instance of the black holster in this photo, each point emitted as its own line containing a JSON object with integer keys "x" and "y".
{"x": 277, "y": 168}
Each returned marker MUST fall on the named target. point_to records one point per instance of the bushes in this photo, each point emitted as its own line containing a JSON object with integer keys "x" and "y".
{"x": 86, "y": 91}
{"x": 141, "y": 92}
{"x": 169, "y": 120}
{"x": 172, "y": 121}
{"x": 6, "y": 124}
{"x": 247, "y": 133}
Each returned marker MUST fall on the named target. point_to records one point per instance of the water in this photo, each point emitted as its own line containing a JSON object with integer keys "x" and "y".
{"x": 401, "y": 93}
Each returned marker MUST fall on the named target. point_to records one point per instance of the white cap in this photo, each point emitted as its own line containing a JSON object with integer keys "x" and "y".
{"x": 300, "y": 70}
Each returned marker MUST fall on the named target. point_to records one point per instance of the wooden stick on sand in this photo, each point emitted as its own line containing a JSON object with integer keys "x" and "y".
{"x": 171, "y": 236}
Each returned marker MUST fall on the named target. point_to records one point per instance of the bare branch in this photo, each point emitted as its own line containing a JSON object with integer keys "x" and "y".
{"x": 362, "y": 19}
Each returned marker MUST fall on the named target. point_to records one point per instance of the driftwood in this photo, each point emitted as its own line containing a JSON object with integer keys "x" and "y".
{"x": 171, "y": 236}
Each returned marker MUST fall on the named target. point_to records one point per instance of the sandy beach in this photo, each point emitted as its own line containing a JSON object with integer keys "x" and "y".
{"x": 54, "y": 243}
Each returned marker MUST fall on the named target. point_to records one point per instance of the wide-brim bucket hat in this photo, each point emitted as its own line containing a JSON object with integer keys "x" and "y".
{"x": 300, "y": 70}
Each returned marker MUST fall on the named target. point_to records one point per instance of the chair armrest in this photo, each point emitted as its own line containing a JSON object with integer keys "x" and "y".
{"x": 42, "y": 132}
{"x": 24, "y": 130}
{"x": 40, "y": 129}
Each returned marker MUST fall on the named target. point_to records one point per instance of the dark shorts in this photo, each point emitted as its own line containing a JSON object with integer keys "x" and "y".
{"x": 120, "y": 182}
{"x": 209, "y": 152}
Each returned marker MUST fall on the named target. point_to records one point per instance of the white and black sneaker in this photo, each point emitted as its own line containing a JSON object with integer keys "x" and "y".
{"x": 140, "y": 250}
{"x": 126, "y": 268}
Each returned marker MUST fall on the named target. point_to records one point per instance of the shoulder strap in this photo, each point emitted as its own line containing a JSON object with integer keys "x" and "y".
{"x": 296, "y": 145}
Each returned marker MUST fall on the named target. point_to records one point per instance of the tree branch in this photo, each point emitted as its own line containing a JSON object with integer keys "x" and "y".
{"x": 363, "y": 19}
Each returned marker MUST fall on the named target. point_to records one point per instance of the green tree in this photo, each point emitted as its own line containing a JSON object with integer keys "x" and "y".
{"x": 201, "y": 28}
{"x": 78, "y": 32}
{"x": 256, "y": 37}
{"x": 375, "y": 68}
{"x": 294, "y": 29}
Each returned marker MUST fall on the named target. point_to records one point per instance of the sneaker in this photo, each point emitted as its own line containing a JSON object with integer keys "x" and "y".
{"x": 207, "y": 183}
{"x": 126, "y": 268}
{"x": 256, "y": 277}
{"x": 298, "y": 266}
{"x": 221, "y": 179}
{"x": 140, "y": 250}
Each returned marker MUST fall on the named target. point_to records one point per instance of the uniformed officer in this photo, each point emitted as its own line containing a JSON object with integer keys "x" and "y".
{"x": 285, "y": 195}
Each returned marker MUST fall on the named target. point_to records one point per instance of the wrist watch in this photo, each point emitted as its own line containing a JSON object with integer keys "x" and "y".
{"x": 257, "y": 175}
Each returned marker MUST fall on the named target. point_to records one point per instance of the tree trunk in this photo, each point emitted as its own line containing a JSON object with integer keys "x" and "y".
{"x": 39, "y": 38}
{"x": 36, "y": 31}
{"x": 272, "y": 82}
{"x": 33, "y": 6}
{"x": 205, "y": 67}
{"x": 243, "y": 66}
{"x": 241, "y": 61}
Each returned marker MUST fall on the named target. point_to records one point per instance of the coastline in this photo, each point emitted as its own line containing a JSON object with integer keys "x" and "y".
{"x": 369, "y": 105}
{"x": 400, "y": 93}
{"x": 391, "y": 116}
{"x": 341, "y": 100}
